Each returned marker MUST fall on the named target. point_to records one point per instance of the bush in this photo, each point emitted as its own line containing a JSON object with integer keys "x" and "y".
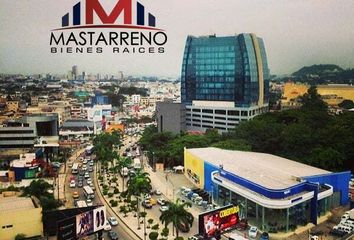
{"x": 114, "y": 179}
{"x": 100, "y": 178}
{"x": 105, "y": 192}
{"x": 122, "y": 209}
{"x": 179, "y": 238}
{"x": 165, "y": 232}
{"x": 20, "y": 236}
{"x": 114, "y": 204}
{"x": 116, "y": 191}
{"x": 153, "y": 235}
{"x": 110, "y": 194}
{"x": 155, "y": 227}
{"x": 105, "y": 187}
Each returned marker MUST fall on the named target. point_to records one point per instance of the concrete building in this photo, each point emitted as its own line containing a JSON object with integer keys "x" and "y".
{"x": 170, "y": 117}
{"x": 12, "y": 106}
{"x": 19, "y": 215}
{"x": 223, "y": 76}
{"x": 332, "y": 94}
{"x": 273, "y": 193}
{"x": 77, "y": 129}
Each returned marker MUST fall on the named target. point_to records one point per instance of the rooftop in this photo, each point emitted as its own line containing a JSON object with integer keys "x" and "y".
{"x": 267, "y": 170}
{"x": 8, "y": 204}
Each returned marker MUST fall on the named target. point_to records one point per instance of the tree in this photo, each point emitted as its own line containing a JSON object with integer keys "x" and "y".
{"x": 346, "y": 104}
{"x": 123, "y": 163}
{"x": 20, "y": 236}
{"x": 138, "y": 185}
{"x": 312, "y": 101}
{"x": 177, "y": 215}
{"x": 233, "y": 144}
{"x": 153, "y": 235}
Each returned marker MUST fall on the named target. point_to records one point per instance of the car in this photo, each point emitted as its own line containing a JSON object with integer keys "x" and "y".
{"x": 76, "y": 195}
{"x": 84, "y": 161}
{"x": 72, "y": 184}
{"x": 153, "y": 201}
{"x": 252, "y": 233}
{"x": 161, "y": 201}
{"x": 89, "y": 202}
{"x": 91, "y": 184}
{"x": 89, "y": 181}
{"x": 80, "y": 184}
{"x": 112, "y": 235}
{"x": 84, "y": 168}
{"x": 158, "y": 192}
{"x": 146, "y": 204}
{"x": 90, "y": 169}
{"x": 91, "y": 163}
{"x": 107, "y": 226}
{"x": 87, "y": 175}
{"x": 163, "y": 208}
{"x": 264, "y": 236}
{"x": 70, "y": 165}
{"x": 113, "y": 221}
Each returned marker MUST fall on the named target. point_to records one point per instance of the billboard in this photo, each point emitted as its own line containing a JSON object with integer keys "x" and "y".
{"x": 82, "y": 224}
{"x": 218, "y": 221}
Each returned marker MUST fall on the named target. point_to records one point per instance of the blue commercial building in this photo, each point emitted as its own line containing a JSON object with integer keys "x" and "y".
{"x": 99, "y": 99}
{"x": 274, "y": 193}
{"x": 224, "y": 80}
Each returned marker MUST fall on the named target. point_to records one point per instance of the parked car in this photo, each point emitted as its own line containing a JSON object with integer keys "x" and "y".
{"x": 87, "y": 175}
{"x": 264, "y": 236}
{"x": 158, "y": 192}
{"x": 163, "y": 208}
{"x": 161, "y": 201}
{"x": 146, "y": 204}
{"x": 107, "y": 226}
{"x": 113, "y": 235}
{"x": 90, "y": 169}
{"x": 113, "y": 221}
{"x": 252, "y": 233}
{"x": 72, "y": 184}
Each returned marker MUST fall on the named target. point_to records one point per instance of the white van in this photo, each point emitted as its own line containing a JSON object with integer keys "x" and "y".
{"x": 137, "y": 163}
{"x": 124, "y": 172}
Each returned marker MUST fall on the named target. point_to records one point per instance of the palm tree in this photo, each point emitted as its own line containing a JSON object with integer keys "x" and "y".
{"x": 177, "y": 215}
{"x": 138, "y": 185}
{"x": 123, "y": 163}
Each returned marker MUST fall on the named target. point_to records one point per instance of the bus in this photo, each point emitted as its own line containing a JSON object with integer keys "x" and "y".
{"x": 89, "y": 192}
{"x": 81, "y": 203}
{"x": 75, "y": 168}
{"x": 89, "y": 150}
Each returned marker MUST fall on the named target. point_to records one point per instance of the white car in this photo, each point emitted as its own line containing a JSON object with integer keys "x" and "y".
{"x": 147, "y": 196}
{"x": 161, "y": 201}
{"x": 163, "y": 208}
{"x": 252, "y": 233}
{"x": 113, "y": 221}
{"x": 84, "y": 161}
{"x": 72, "y": 184}
{"x": 84, "y": 168}
{"x": 89, "y": 202}
{"x": 158, "y": 192}
{"x": 107, "y": 226}
{"x": 89, "y": 181}
{"x": 87, "y": 175}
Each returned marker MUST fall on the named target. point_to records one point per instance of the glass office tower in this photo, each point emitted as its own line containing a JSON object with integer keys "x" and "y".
{"x": 221, "y": 77}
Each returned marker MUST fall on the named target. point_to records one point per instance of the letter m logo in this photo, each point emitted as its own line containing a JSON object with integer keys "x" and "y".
{"x": 95, "y": 6}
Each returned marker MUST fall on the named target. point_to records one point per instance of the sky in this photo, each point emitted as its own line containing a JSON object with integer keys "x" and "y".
{"x": 296, "y": 34}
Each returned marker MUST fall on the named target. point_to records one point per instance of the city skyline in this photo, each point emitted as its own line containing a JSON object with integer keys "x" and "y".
{"x": 296, "y": 34}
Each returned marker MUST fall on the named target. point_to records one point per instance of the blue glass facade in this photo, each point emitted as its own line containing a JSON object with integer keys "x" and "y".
{"x": 224, "y": 69}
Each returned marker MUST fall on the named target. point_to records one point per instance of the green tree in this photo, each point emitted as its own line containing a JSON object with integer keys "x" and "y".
{"x": 312, "y": 101}
{"x": 153, "y": 235}
{"x": 177, "y": 215}
{"x": 346, "y": 104}
{"x": 20, "y": 236}
{"x": 138, "y": 185}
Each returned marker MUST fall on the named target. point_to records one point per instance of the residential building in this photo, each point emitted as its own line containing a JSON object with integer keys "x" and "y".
{"x": 224, "y": 80}
{"x": 12, "y": 106}
{"x": 273, "y": 193}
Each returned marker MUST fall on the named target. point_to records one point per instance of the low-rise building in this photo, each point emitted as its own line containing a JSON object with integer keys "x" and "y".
{"x": 19, "y": 215}
{"x": 273, "y": 193}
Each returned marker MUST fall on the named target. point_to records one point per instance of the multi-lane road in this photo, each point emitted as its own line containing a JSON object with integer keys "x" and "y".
{"x": 122, "y": 231}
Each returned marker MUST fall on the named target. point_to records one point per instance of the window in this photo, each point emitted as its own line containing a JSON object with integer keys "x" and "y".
{"x": 221, "y": 118}
{"x": 233, "y": 113}
{"x": 207, "y": 111}
{"x": 196, "y": 115}
{"x": 206, "y": 116}
{"x": 196, "y": 110}
{"x": 220, "y": 112}
{"x": 243, "y": 113}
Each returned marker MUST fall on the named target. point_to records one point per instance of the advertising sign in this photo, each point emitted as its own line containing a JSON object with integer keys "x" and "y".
{"x": 82, "y": 224}
{"x": 218, "y": 221}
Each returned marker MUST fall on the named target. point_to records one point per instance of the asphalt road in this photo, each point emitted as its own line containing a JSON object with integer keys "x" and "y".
{"x": 123, "y": 233}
